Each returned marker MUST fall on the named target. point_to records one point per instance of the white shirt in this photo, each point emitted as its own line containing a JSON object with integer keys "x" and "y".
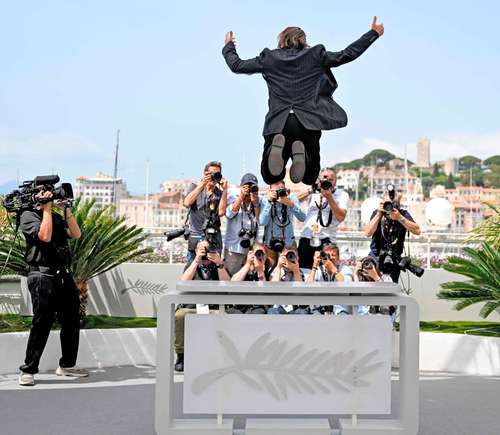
{"x": 341, "y": 198}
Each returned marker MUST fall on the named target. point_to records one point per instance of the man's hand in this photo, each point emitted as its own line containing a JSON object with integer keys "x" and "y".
{"x": 244, "y": 191}
{"x": 330, "y": 266}
{"x": 45, "y": 195}
{"x": 327, "y": 193}
{"x": 286, "y": 200}
{"x": 379, "y": 28}
{"x": 272, "y": 195}
{"x": 316, "y": 260}
{"x": 223, "y": 184}
{"x": 214, "y": 257}
{"x": 201, "y": 249}
{"x": 230, "y": 38}
{"x": 207, "y": 178}
{"x": 395, "y": 215}
{"x": 259, "y": 264}
{"x": 251, "y": 259}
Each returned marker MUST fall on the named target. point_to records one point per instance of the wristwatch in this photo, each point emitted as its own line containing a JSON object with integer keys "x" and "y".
{"x": 220, "y": 266}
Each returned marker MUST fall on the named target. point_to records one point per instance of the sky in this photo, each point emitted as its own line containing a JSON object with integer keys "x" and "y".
{"x": 74, "y": 72}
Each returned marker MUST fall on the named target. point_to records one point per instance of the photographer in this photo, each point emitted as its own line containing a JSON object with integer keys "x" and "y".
{"x": 206, "y": 266}
{"x": 387, "y": 228}
{"x": 367, "y": 271}
{"x": 327, "y": 209}
{"x": 327, "y": 267}
{"x": 207, "y": 202}
{"x": 51, "y": 285}
{"x": 256, "y": 268}
{"x": 277, "y": 216}
{"x": 242, "y": 223}
{"x": 288, "y": 269}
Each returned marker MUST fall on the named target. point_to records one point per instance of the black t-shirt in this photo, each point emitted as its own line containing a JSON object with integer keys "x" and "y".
{"x": 204, "y": 273}
{"x": 49, "y": 254}
{"x": 397, "y": 234}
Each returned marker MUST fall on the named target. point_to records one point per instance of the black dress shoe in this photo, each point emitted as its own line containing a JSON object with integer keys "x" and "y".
{"x": 298, "y": 168}
{"x": 275, "y": 161}
{"x": 179, "y": 364}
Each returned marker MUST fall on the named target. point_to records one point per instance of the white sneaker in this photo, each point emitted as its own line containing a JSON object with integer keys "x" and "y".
{"x": 26, "y": 379}
{"x": 75, "y": 372}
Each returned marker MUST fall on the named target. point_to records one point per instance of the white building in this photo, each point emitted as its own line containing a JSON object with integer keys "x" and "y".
{"x": 181, "y": 186}
{"x": 348, "y": 178}
{"x": 424, "y": 153}
{"x": 450, "y": 166}
{"x": 101, "y": 188}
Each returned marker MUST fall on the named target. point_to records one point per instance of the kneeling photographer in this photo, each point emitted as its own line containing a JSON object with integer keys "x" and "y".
{"x": 387, "y": 228}
{"x": 207, "y": 202}
{"x": 206, "y": 266}
{"x": 50, "y": 282}
{"x": 242, "y": 227}
{"x": 277, "y": 216}
{"x": 327, "y": 209}
{"x": 327, "y": 267}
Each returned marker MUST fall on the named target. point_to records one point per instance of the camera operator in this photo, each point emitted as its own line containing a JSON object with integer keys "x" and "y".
{"x": 288, "y": 269}
{"x": 277, "y": 216}
{"x": 387, "y": 228}
{"x": 207, "y": 202}
{"x": 327, "y": 267}
{"x": 367, "y": 271}
{"x": 327, "y": 209}
{"x": 51, "y": 285}
{"x": 256, "y": 268}
{"x": 242, "y": 223}
{"x": 206, "y": 266}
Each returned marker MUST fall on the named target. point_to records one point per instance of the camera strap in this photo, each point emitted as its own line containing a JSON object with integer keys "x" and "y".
{"x": 319, "y": 218}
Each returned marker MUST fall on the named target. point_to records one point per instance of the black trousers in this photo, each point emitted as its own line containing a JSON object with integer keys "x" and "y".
{"x": 293, "y": 131}
{"x": 53, "y": 295}
{"x": 306, "y": 251}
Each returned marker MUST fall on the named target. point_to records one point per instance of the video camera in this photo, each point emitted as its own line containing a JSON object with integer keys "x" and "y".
{"x": 26, "y": 197}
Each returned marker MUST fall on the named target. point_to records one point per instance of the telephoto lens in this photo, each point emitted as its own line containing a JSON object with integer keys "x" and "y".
{"x": 291, "y": 256}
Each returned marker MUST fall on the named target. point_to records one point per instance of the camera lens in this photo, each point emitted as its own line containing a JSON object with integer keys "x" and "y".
{"x": 216, "y": 176}
{"x": 259, "y": 254}
{"x": 282, "y": 192}
{"x": 325, "y": 184}
{"x": 291, "y": 256}
{"x": 324, "y": 256}
{"x": 388, "y": 206}
{"x": 254, "y": 188}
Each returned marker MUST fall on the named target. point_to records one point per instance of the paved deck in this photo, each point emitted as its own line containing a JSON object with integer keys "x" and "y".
{"x": 120, "y": 401}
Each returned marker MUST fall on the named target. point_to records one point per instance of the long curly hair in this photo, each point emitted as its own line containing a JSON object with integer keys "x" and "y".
{"x": 292, "y": 37}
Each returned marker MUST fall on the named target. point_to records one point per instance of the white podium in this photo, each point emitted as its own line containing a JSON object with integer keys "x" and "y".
{"x": 258, "y": 366}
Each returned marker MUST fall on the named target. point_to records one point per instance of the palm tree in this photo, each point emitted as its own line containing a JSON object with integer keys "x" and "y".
{"x": 106, "y": 242}
{"x": 489, "y": 229}
{"x": 482, "y": 267}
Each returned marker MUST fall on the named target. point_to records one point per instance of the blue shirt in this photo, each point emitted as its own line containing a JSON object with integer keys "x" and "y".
{"x": 234, "y": 224}
{"x": 272, "y": 225}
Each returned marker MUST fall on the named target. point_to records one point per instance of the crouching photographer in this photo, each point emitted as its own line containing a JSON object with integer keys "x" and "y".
{"x": 257, "y": 267}
{"x": 50, "y": 282}
{"x": 207, "y": 202}
{"x": 242, "y": 223}
{"x": 327, "y": 209}
{"x": 327, "y": 267}
{"x": 388, "y": 227}
{"x": 367, "y": 271}
{"x": 206, "y": 266}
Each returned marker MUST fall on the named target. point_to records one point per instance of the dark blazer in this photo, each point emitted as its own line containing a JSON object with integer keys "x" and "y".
{"x": 300, "y": 80}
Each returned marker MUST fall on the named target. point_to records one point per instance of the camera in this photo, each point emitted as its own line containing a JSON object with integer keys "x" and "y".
{"x": 291, "y": 256}
{"x": 216, "y": 176}
{"x": 211, "y": 238}
{"x": 25, "y": 198}
{"x": 277, "y": 245}
{"x": 392, "y": 204}
{"x": 259, "y": 254}
{"x": 253, "y": 187}
{"x": 405, "y": 264}
{"x": 247, "y": 236}
{"x": 282, "y": 192}
{"x": 171, "y": 235}
{"x": 368, "y": 263}
{"x": 324, "y": 256}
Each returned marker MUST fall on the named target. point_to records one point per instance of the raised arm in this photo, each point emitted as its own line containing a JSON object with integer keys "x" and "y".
{"x": 333, "y": 59}
{"x": 237, "y": 65}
